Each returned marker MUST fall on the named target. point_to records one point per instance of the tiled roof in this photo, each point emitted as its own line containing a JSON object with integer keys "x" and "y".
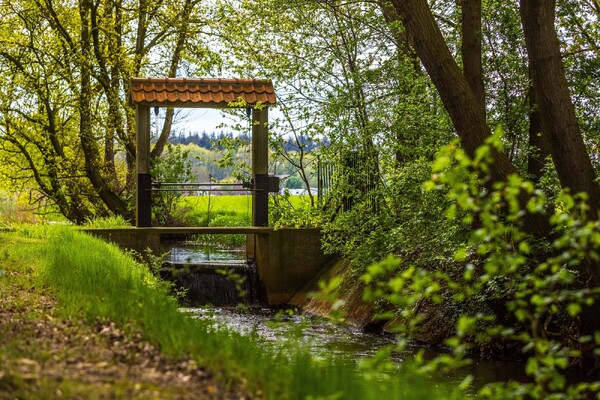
{"x": 201, "y": 93}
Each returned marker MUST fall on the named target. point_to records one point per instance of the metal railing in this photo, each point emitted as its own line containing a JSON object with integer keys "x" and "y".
{"x": 356, "y": 173}
{"x": 202, "y": 187}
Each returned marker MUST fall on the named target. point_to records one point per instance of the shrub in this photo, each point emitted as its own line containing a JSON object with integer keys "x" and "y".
{"x": 173, "y": 166}
{"x": 510, "y": 287}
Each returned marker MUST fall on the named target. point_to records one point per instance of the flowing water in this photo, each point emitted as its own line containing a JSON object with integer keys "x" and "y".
{"x": 284, "y": 328}
{"x": 212, "y": 275}
{"x": 326, "y": 338}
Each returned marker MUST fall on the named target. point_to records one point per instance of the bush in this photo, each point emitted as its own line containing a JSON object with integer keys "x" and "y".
{"x": 293, "y": 211}
{"x": 408, "y": 221}
{"x": 510, "y": 287}
{"x": 172, "y": 167}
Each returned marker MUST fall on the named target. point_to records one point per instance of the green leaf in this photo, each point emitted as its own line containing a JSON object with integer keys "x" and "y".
{"x": 428, "y": 186}
{"x": 532, "y": 366}
{"x": 466, "y": 383}
{"x": 524, "y": 247}
{"x": 451, "y": 212}
{"x": 396, "y": 284}
{"x": 461, "y": 254}
{"x": 466, "y": 325}
{"x": 469, "y": 271}
{"x": 573, "y": 309}
{"x": 482, "y": 153}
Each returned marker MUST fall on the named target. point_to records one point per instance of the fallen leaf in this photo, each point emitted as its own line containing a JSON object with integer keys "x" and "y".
{"x": 211, "y": 389}
{"x": 102, "y": 364}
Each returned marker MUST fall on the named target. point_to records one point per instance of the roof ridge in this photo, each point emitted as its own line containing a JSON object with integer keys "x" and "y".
{"x": 201, "y": 92}
{"x": 198, "y": 80}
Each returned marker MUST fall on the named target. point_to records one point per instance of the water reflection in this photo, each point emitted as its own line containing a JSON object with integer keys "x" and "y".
{"x": 328, "y": 339}
{"x": 325, "y": 338}
{"x": 194, "y": 253}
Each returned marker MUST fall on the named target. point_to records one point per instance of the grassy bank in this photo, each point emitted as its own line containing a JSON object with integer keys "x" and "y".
{"x": 44, "y": 355}
{"x": 94, "y": 282}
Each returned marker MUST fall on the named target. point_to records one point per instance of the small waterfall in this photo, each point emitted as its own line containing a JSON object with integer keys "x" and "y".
{"x": 217, "y": 283}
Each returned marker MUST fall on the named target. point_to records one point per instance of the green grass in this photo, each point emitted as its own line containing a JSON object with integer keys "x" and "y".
{"x": 201, "y": 206}
{"x": 94, "y": 280}
{"x": 219, "y": 211}
{"x": 238, "y": 206}
{"x": 116, "y": 221}
{"x": 226, "y": 210}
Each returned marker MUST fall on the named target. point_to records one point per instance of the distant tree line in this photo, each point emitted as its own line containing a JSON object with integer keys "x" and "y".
{"x": 213, "y": 140}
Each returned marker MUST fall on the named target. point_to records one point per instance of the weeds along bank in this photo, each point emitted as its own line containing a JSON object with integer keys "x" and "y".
{"x": 96, "y": 281}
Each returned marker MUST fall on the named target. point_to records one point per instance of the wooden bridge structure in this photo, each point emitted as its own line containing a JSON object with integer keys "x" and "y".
{"x": 255, "y": 95}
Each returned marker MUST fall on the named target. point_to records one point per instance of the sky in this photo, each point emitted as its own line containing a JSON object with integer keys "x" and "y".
{"x": 201, "y": 120}
{"x": 190, "y": 120}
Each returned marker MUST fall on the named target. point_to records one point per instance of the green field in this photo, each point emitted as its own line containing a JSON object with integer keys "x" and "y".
{"x": 230, "y": 210}
{"x": 240, "y": 206}
{"x": 233, "y": 211}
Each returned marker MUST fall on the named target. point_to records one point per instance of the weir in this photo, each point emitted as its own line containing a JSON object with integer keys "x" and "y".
{"x": 214, "y": 283}
{"x": 286, "y": 260}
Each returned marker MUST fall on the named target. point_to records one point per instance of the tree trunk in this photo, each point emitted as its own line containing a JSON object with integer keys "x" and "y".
{"x": 471, "y": 48}
{"x": 539, "y": 149}
{"x": 557, "y": 112}
{"x": 559, "y": 122}
{"x": 456, "y": 94}
{"x": 88, "y": 141}
{"x": 459, "y": 100}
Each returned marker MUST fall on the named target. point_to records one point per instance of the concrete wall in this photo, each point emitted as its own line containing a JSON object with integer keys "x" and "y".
{"x": 287, "y": 259}
{"x": 140, "y": 239}
{"x": 131, "y": 239}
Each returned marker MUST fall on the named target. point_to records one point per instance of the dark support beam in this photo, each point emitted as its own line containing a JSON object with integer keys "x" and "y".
{"x": 260, "y": 200}
{"x": 144, "y": 200}
{"x": 143, "y": 215}
{"x": 260, "y": 167}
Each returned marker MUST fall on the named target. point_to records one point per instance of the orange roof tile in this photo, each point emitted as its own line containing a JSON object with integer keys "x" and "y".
{"x": 202, "y": 93}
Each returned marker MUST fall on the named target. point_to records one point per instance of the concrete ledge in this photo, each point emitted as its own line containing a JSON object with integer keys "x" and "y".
{"x": 140, "y": 239}
{"x": 198, "y": 230}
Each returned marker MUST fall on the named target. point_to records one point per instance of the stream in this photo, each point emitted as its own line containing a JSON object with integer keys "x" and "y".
{"x": 280, "y": 327}
{"x": 195, "y": 253}
{"x": 326, "y": 338}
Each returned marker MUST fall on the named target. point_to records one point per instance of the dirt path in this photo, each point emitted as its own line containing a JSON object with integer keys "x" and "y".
{"x": 46, "y": 357}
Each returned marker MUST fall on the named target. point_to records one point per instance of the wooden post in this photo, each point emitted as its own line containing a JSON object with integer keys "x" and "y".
{"x": 143, "y": 206}
{"x": 260, "y": 167}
